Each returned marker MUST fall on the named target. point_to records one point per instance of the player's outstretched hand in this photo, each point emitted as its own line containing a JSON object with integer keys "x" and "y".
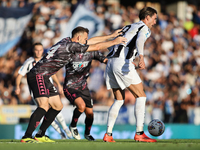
{"x": 116, "y": 33}
{"x": 120, "y": 40}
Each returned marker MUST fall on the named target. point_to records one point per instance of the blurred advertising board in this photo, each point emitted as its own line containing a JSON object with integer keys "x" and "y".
{"x": 11, "y": 114}
{"x": 21, "y": 113}
{"x": 172, "y": 131}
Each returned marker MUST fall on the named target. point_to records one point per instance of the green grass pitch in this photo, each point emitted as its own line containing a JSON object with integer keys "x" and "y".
{"x": 71, "y": 144}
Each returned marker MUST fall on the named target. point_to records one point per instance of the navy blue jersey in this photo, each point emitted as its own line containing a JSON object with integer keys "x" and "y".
{"x": 77, "y": 71}
{"x": 59, "y": 55}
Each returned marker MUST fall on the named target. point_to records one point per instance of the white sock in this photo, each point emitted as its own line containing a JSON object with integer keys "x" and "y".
{"x": 140, "y": 113}
{"x": 61, "y": 120}
{"x": 113, "y": 113}
{"x": 56, "y": 126}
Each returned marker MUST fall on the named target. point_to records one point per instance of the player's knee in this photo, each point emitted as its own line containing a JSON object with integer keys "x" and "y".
{"x": 81, "y": 107}
{"x": 59, "y": 107}
{"x": 44, "y": 106}
{"x": 140, "y": 94}
{"x": 143, "y": 94}
{"x": 42, "y": 102}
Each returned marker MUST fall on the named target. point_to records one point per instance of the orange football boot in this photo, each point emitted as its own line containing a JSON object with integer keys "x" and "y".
{"x": 143, "y": 138}
{"x": 108, "y": 138}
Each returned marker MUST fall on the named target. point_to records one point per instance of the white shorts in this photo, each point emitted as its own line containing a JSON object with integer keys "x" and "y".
{"x": 119, "y": 74}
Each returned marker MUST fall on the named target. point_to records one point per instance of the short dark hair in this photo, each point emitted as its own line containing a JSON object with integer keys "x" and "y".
{"x": 79, "y": 29}
{"x": 38, "y": 43}
{"x": 147, "y": 11}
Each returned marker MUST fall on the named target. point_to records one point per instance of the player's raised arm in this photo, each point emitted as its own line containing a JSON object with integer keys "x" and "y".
{"x": 104, "y": 45}
{"x": 99, "y": 39}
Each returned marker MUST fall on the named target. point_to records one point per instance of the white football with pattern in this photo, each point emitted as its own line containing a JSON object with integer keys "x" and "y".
{"x": 156, "y": 127}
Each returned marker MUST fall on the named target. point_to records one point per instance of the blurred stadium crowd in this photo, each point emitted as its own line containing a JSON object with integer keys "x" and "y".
{"x": 172, "y": 55}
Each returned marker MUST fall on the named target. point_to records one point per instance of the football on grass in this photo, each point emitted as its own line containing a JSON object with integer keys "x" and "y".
{"x": 156, "y": 127}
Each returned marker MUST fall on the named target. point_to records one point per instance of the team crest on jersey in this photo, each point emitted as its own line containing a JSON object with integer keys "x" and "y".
{"x": 147, "y": 34}
{"x": 80, "y": 56}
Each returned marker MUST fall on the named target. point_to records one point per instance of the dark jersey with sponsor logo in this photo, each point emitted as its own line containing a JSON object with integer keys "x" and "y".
{"x": 77, "y": 71}
{"x": 60, "y": 54}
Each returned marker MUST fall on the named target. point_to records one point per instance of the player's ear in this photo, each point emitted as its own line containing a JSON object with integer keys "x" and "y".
{"x": 148, "y": 17}
{"x": 78, "y": 38}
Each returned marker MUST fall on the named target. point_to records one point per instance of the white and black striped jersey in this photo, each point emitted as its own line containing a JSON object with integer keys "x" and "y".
{"x": 27, "y": 66}
{"x": 136, "y": 35}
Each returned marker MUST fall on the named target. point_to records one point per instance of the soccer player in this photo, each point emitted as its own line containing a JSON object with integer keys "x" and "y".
{"x": 44, "y": 92}
{"x": 121, "y": 72}
{"x": 75, "y": 85}
{"x": 38, "y": 51}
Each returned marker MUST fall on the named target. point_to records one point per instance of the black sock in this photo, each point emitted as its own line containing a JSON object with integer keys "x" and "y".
{"x": 88, "y": 125}
{"x": 140, "y": 133}
{"x": 48, "y": 119}
{"x": 34, "y": 121}
{"x": 75, "y": 117}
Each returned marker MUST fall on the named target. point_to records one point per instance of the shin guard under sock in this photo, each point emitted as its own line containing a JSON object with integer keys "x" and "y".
{"x": 48, "y": 119}
{"x": 88, "y": 125}
{"x": 34, "y": 121}
{"x": 75, "y": 117}
{"x": 112, "y": 114}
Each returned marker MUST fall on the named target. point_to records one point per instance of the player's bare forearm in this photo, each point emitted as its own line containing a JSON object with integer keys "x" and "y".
{"x": 60, "y": 89}
{"x": 104, "y": 45}
{"x": 141, "y": 64}
{"x": 98, "y": 39}
{"x": 55, "y": 79}
{"x": 17, "y": 84}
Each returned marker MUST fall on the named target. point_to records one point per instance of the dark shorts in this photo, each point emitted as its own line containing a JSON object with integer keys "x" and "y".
{"x": 41, "y": 86}
{"x": 72, "y": 94}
